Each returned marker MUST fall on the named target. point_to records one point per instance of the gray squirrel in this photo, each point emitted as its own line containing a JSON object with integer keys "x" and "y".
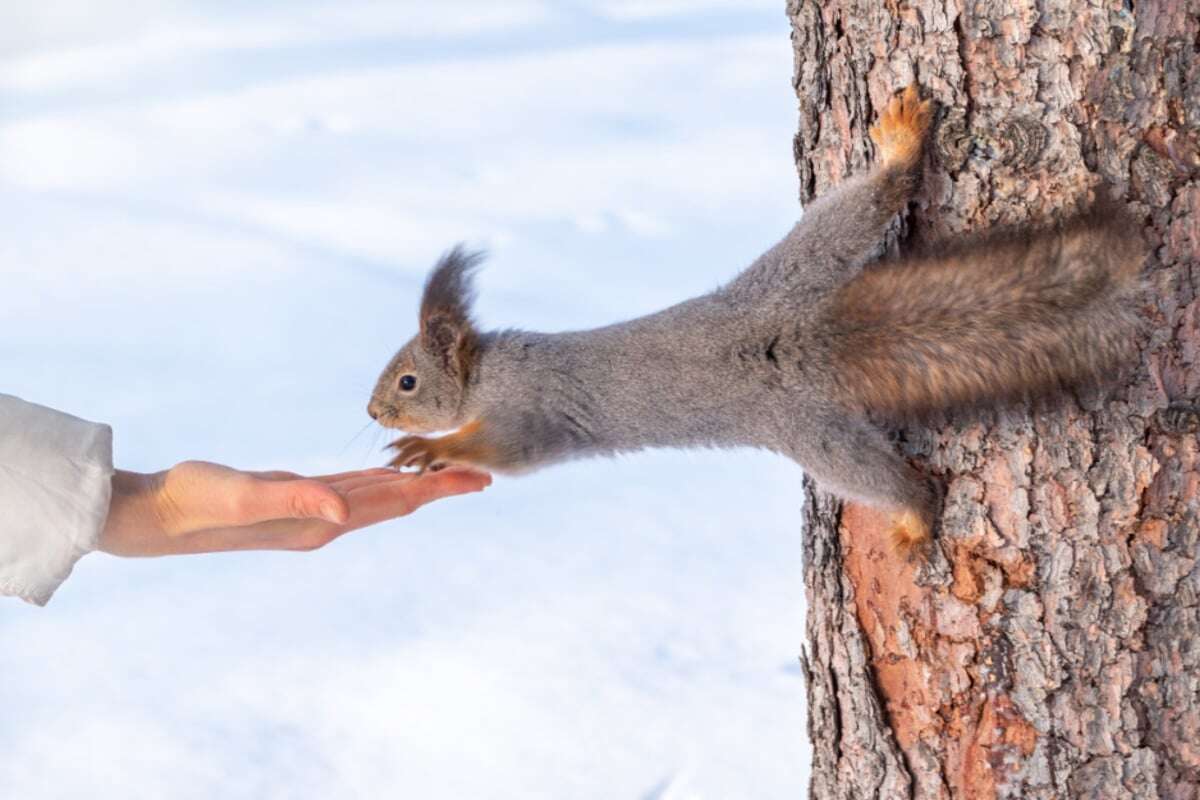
{"x": 796, "y": 354}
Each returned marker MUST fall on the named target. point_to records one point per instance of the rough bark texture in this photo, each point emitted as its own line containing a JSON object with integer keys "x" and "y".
{"x": 1051, "y": 647}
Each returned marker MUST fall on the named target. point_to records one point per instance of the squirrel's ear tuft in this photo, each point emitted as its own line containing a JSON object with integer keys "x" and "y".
{"x": 446, "y": 327}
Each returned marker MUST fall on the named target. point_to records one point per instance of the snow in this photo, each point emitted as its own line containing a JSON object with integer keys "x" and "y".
{"x": 218, "y": 220}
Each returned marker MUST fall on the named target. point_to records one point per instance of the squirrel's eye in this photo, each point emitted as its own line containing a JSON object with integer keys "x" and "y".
{"x": 408, "y": 382}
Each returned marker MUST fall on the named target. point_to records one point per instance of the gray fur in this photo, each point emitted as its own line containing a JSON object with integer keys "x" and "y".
{"x": 749, "y": 364}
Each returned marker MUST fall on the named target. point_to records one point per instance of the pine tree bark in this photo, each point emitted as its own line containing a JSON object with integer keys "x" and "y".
{"x": 1050, "y": 647}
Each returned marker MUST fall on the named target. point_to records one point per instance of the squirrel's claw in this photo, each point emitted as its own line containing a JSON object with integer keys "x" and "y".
{"x": 465, "y": 446}
{"x": 414, "y": 451}
{"x": 900, "y": 132}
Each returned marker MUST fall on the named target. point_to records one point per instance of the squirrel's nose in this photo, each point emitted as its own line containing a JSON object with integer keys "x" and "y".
{"x": 372, "y": 411}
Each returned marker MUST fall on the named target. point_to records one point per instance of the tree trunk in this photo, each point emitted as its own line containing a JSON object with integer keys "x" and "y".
{"x": 1050, "y": 647}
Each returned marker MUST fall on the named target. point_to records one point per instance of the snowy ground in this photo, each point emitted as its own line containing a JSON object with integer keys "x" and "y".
{"x": 216, "y": 222}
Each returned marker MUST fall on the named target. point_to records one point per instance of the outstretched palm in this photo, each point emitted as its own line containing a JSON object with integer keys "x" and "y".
{"x": 199, "y": 507}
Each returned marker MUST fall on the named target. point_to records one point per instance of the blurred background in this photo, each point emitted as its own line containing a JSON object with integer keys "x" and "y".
{"x": 216, "y": 220}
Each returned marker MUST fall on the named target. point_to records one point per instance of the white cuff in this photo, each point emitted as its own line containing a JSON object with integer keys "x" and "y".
{"x": 55, "y": 488}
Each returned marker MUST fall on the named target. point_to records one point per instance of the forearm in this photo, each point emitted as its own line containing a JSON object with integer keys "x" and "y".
{"x": 836, "y": 235}
{"x": 847, "y": 223}
{"x": 843, "y": 228}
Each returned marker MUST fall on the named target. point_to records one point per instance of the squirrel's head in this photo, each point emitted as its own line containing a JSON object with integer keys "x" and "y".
{"x": 421, "y": 389}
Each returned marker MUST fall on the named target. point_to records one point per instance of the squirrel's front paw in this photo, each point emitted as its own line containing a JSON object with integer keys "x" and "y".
{"x": 467, "y": 445}
{"x": 418, "y": 451}
{"x": 900, "y": 132}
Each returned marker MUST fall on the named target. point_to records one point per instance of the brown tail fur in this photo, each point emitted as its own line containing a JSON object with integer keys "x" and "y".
{"x": 1001, "y": 315}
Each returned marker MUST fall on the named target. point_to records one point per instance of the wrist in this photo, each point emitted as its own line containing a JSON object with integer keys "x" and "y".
{"x": 133, "y": 518}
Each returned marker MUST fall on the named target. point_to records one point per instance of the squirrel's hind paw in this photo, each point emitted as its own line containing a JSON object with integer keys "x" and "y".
{"x": 911, "y": 535}
{"x": 900, "y": 132}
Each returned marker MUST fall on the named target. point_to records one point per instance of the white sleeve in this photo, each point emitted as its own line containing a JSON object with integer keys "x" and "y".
{"x": 55, "y": 487}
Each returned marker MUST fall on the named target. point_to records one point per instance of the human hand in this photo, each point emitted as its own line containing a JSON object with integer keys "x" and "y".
{"x": 198, "y": 507}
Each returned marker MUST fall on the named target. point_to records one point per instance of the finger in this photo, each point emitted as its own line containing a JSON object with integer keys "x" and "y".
{"x": 341, "y": 476}
{"x": 372, "y": 504}
{"x": 262, "y": 500}
{"x": 431, "y": 486}
{"x": 276, "y": 475}
{"x": 275, "y": 534}
{"x": 345, "y": 486}
{"x": 283, "y": 475}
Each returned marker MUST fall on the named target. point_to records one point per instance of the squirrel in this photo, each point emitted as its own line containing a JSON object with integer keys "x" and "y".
{"x": 800, "y": 354}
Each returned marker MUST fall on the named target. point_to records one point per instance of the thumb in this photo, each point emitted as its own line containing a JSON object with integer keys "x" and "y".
{"x": 299, "y": 499}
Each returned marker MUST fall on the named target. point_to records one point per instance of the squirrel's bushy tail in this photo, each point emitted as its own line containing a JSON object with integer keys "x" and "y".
{"x": 998, "y": 316}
